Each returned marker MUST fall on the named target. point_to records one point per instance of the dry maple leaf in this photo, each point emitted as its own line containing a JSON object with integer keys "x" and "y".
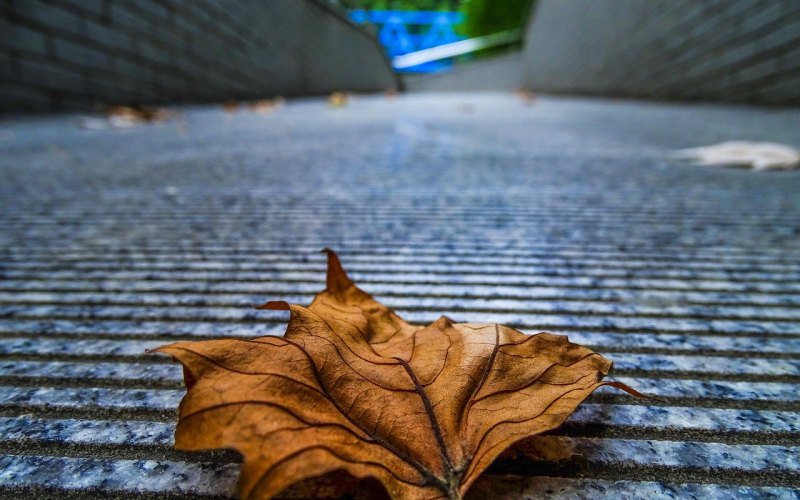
{"x": 126, "y": 117}
{"x": 231, "y": 106}
{"x": 352, "y": 386}
{"x": 526, "y": 96}
{"x": 264, "y": 106}
{"x": 337, "y": 99}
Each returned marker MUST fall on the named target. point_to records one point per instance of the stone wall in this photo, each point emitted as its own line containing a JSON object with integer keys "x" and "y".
{"x": 497, "y": 73}
{"x": 73, "y": 54}
{"x": 731, "y": 50}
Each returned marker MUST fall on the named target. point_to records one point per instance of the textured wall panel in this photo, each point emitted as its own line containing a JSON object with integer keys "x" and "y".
{"x": 734, "y": 50}
{"x": 493, "y": 74}
{"x": 66, "y": 54}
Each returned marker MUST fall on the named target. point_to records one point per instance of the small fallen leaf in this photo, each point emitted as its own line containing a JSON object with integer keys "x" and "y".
{"x": 351, "y": 386}
{"x": 266, "y": 105}
{"x": 759, "y": 155}
{"x": 526, "y": 96}
{"x": 133, "y": 115}
{"x": 337, "y": 99}
{"x": 118, "y": 117}
{"x": 230, "y": 106}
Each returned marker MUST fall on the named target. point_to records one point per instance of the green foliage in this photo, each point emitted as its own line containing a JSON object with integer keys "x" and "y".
{"x": 485, "y": 17}
{"x": 404, "y": 4}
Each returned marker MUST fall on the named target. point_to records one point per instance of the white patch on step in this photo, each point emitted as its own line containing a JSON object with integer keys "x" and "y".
{"x": 759, "y": 155}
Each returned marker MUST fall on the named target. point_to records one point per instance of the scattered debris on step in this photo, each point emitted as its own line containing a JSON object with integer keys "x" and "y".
{"x": 337, "y": 99}
{"x": 118, "y": 117}
{"x": 758, "y": 155}
{"x": 230, "y": 106}
{"x": 265, "y": 106}
{"x": 526, "y": 96}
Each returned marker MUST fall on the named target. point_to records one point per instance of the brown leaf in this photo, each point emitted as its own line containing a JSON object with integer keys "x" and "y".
{"x": 338, "y": 99}
{"x": 230, "y": 106}
{"x": 526, "y": 96}
{"x": 141, "y": 113}
{"x": 266, "y": 105}
{"x": 352, "y": 386}
{"x": 118, "y": 117}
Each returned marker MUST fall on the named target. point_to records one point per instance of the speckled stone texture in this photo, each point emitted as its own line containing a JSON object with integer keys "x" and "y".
{"x": 568, "y": 215}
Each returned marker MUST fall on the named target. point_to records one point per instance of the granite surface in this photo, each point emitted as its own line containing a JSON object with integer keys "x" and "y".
{"x": 568, "y": 215}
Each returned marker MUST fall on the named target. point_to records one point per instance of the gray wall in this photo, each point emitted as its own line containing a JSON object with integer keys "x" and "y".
{"x": 724, "y": 50}
{"x": 494, "y": 74}
{"x": 73, "y": 54}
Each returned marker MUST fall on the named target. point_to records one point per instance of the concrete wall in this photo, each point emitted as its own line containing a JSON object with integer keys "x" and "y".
{"x": 73, "y": 54}
{"x": 723, "y": 50}
{"x": 494, "y": 74}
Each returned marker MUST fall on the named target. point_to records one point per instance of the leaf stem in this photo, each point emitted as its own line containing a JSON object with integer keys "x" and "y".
{"x": 437, "y": 431}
